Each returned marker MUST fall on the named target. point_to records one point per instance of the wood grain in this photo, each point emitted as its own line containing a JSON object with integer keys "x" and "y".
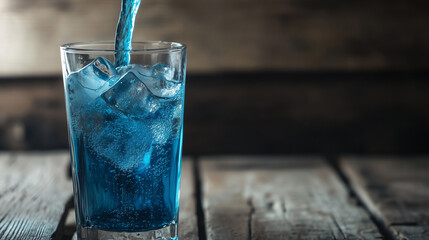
{"x": 188, "y": 227}
{"x": 278, "y": 198}
{"x": 395, "y": 190}
{"x": 227, "y": 35}
{"x": 34, "y": 191}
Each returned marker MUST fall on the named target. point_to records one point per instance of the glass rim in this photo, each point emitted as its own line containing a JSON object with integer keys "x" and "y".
{"x": 76, "y": 47}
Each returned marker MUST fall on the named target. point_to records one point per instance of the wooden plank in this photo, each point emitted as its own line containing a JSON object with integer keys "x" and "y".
{"x": 395, "y": 190}
{"x": 278, "y": 198}
{"x": 188, "y": 227}
{"x": 227, "y": 35}
{"x": 34, "y": 191}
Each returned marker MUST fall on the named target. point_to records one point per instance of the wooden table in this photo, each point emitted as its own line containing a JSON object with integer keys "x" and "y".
{"x": 241, "y": 197}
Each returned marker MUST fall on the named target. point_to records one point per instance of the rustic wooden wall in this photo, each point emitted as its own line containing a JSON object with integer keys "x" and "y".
{"x": 227, "y": 35}
{"x": 324, "y": 113}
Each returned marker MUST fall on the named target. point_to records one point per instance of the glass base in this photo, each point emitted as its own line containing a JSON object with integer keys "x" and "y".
{"x": 166, "y": 233}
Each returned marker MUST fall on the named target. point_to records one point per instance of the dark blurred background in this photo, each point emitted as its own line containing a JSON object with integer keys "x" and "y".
{"x": 264, "y": 76}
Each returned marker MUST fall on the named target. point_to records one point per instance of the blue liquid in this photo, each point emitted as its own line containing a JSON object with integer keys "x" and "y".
{"x": 125, "y": 126}
{"x": 124, "y": 31}
{"x": 126, "y": 159}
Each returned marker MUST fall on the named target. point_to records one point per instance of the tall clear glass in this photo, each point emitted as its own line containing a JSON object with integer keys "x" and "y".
{"x": 125, "y": 134}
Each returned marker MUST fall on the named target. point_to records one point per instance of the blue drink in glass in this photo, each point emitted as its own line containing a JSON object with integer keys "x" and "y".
{"x": 125, "y": 130}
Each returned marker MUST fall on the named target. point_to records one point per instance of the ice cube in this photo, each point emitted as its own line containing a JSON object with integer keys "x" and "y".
{"x": 161, "y": 131}
{"x": 95, "y": 74}
{"x": 138, "y": 69}
{"x": 166, "y": 123}
{"x": 130, "y": 96}
{"x": 92, "y": 80}
{"x": 159, "y": 80}
{"x": 121, "y": 141}
{"x": 161, "y": 70}
{"x": 164, "y": 88}
{"x": 177, "y": 119}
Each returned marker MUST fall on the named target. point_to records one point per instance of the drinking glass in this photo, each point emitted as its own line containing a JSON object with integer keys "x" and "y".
{"x": 125, "y": 128}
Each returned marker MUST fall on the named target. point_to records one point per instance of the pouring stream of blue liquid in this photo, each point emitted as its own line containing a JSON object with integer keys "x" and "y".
{"x": 124, "y": 32}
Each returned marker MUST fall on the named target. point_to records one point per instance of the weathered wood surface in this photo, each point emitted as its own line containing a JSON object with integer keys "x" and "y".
{"x": 242, "y": 198}
{"x": 188, "y": 227}
{"x": 278, "y": 198}
{"x": 226, "y": 34}
{"x": 395, "y": 190}
{"x": 34, "y": 192}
